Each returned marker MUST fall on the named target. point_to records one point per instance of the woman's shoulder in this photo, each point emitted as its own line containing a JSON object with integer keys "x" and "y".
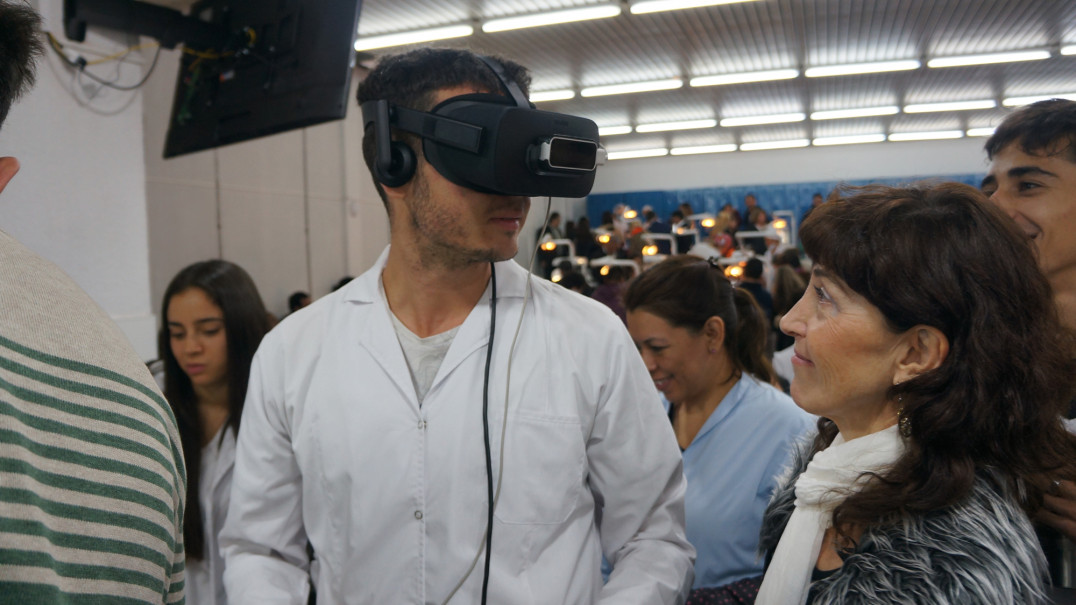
{"x": 981, "y": 550}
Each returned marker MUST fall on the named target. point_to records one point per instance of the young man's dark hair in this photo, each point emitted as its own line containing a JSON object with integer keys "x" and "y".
{"x": 753, "y": 269}
{"x": 20, "y": 44}
{"x": 411, "y": 80}
{"x": 1043, "y": 128}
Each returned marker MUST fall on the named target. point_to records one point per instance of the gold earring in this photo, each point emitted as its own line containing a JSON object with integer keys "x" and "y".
{"x": 903, "y": 421}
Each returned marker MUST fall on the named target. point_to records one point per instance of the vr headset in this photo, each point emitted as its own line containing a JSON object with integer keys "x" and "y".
{"x": 490, "y": 143}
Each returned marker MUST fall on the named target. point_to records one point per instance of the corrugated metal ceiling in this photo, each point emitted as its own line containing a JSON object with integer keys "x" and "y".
{"x": 765, "y": 35}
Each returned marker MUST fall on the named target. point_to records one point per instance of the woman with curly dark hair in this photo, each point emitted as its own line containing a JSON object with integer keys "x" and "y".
{"x": 928, "y": 344}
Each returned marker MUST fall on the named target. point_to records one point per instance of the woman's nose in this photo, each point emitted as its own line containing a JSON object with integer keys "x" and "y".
{"x": 792, "y": 322}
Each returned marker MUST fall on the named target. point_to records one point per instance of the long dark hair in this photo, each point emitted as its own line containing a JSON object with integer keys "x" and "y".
{"x": 245, "y": 323}
{"x": 686, "y": 291}
{"x": 942, "y": 255}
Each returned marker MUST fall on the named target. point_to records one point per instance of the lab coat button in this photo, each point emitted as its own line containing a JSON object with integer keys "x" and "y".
{"x": 418, "y": 515}
{"x": 421, "y": 425}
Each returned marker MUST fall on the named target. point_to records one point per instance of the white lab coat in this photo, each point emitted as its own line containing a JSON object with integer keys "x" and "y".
{"x": 335, "y": 448}
{"x": 205, "y": 578}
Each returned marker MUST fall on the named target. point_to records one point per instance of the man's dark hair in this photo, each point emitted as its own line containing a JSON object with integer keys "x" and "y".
{"x": 343, "y": 281}
{"x": 20, "y": 45}
{"x": 412, "y": 80}
{"x": 295, "y": 301}
{"x": 753, "y": 269}
{"x": 1043, "y": 128}
{"x": 574, "y": 281}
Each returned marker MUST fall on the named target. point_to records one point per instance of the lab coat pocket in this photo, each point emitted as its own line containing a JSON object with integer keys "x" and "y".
{"x": 543, "y": 470}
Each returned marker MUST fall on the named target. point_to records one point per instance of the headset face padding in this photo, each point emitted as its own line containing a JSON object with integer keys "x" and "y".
{"x": 402, "y": 166}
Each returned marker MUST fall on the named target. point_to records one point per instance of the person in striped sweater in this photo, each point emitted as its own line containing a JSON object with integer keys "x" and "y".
{"x": 92, "y": 482}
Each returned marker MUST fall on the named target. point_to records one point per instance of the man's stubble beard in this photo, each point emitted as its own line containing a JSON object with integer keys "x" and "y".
{"x": 438, "y": 228}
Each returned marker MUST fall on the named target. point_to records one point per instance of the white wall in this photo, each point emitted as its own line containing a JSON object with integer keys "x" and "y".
{"x": 297, "y": 210}
{"x": 918, "y": 159}
{"x": 80, "y": 197}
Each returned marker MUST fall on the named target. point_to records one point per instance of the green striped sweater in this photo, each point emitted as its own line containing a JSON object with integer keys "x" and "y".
{"x": 92, "y": 482}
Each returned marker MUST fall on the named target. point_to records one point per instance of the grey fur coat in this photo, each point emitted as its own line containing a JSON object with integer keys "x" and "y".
{"x": 982, "y": 551}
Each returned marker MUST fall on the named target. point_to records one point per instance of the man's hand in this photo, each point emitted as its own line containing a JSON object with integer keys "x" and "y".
{"x": 1059, "y": 508}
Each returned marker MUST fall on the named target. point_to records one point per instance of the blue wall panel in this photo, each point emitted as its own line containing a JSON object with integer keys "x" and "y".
{"x": 790, "y": 196}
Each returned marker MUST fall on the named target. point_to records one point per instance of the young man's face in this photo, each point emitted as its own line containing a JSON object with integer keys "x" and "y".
{"x": 453, "y": 225}
{"x": 1039, "y": 192}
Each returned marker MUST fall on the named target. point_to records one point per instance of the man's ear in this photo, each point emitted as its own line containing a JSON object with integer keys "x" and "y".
{"x": 927, "y": 348}
{"x": 8, "y": 167}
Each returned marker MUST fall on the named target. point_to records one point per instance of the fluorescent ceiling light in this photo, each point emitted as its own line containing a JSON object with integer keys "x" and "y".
{"x": 685, "y": 125}
{"x": 703, "y": 149}
{"x": 552, "y": 95}
{"x": 551, "y": 18}
{"x": 789, "y": 144}
{"x": 954, "y": 106}
{"x": 980, "y": 132}
{"x": 1026, "y": 55}
{"x": 779, "y": 118}
{"x": 413, "y": 37}
{"x": 849, "y": 140}
{"x": 1068, "y": 50}
{"x": 608, "y": 131}
{"x": 655, "y": 6}
{"x": 927, "y": 136}
{"x": 638, "y": 153}
{"x": 862, "y": 112}
{"x": 746, "y": 77}
{"x": 861, "y": 68}
{"x": 1018, "y": 101}
{"x": 620, "y": 89}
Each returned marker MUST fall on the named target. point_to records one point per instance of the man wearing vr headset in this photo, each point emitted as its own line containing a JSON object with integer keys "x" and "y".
{"x": 364, "y": 425}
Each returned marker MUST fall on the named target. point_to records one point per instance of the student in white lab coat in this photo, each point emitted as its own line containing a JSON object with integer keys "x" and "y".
{"x": 212, "y": 322}
{"x": 363, "y": 428}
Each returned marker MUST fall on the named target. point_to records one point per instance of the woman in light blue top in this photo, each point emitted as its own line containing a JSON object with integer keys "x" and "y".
{"x": 703, "y": 342}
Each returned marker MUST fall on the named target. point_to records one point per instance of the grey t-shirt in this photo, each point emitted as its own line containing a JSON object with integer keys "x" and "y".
{"x": 423, "y": 355}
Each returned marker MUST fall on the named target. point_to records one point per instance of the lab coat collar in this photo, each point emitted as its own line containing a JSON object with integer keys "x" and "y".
{"x": 379, "y": 337}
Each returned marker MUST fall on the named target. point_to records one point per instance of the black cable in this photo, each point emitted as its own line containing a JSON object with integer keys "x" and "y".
{"x": 485, "y": 426}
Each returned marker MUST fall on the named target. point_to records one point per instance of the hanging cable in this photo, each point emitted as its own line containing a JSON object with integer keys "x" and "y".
{"x": 485, "y": 426}
{"x": 79, "y": 64}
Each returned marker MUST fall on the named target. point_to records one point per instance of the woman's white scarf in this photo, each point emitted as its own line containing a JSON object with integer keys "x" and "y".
{"x": 831, "y": 476}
